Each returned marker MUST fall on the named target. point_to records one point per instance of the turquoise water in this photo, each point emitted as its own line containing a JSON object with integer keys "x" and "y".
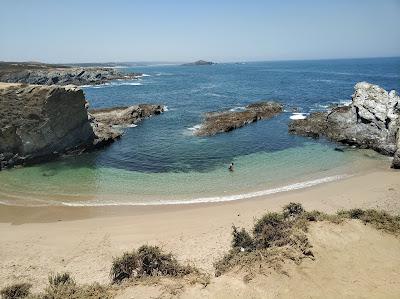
{"x": 161, "y": 161}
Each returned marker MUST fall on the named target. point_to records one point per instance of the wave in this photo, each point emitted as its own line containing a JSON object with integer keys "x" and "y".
{"x": 194, "y": 128}
{"x": 295, "y": 186}
{"x": 298, "y": 115}
{"x": 112, "y": 84}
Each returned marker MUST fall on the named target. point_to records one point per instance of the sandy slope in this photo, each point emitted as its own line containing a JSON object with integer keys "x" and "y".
{"x": 351, "y": 259}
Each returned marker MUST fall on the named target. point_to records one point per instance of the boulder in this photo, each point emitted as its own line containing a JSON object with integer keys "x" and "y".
{"x": 372, "y": 120}
{"x": 219, "y": 122}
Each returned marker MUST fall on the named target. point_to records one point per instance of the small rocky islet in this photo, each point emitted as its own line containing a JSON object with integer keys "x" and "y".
{"x": 226, "y": 121}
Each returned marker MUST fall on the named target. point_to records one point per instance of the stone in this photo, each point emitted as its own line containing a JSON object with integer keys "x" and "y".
{"x": 219, "y": 122}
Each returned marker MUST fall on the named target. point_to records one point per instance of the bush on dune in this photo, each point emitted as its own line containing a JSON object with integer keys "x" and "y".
{"x": 147, "y": 261}
{"x": 278, "y": 236}
{"x": 273, "y": 236}
{"x": 16, "y": 291}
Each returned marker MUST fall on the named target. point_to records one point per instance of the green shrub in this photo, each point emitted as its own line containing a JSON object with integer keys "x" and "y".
{"x": 16, "y": 291}
{"x": 147, "y": 261}
{"x": 293, "y": 210}
{"x": 241, "y": 239}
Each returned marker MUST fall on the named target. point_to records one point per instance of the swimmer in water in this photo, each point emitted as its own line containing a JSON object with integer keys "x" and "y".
{"x": 231, "y": 167}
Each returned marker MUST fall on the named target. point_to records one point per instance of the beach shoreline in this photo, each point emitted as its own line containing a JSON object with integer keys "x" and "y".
{"x": 83, "y": 241}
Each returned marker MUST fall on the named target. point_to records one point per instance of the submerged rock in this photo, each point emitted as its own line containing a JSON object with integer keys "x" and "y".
{"x": 372, "y": 120}
{"x": 219, "y": 122}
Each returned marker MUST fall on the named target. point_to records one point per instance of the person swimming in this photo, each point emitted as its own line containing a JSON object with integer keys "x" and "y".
{"x": 231, "y": 167}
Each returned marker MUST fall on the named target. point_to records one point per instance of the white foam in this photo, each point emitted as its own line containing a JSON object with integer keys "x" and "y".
{"x": 298, "y": 115}
{"x": 240, "y": 108}
{"x": 194, "y": 128}
{"x": 145, "y": 75}
{"x": 166, "y": 108}
{"x": 287, "y": 188}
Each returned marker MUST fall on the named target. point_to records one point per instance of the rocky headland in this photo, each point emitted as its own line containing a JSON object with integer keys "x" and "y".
{"x": 225, "y": 121}
{"x": 40, "y": 122}
{"x": 47, "y": 74}
{"x": 372, "y": 120}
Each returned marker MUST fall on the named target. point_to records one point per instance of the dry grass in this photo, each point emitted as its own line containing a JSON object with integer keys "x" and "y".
{"x": 279, "y": 236}
{"x": 16, "y": 291}
{"x": 275, "y": 237}
{"x": 147, "y": 261}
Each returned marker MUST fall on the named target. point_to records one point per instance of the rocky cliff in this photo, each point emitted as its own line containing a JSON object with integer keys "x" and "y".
{"x": 45, "y": 74}
{"x": 218, "y": 122}
{"x": 39, "y": 123}
{"x": 372, "y": 120}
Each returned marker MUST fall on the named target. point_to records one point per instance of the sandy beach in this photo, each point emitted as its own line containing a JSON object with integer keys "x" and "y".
{"x": 83, "y": 241}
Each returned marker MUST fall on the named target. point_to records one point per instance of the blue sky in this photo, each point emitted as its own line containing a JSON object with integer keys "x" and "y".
{"x": 186, "y": 30}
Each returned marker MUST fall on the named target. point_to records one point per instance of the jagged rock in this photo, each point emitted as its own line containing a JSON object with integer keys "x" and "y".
{"x": 372, "y": 120}
{"x": 39, "y": 122}
{"x": 218, "y": 122}
{"x": 45, "y": 74}
{"x": 107, "y": 122}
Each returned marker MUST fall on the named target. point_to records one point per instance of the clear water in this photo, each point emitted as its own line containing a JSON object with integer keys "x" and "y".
{"x": 160, "y": 161}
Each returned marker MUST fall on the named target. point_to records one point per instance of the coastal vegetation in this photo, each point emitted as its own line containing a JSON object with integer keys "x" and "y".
{"x": 273, "y": 239}
{"x": 277, "y": 237}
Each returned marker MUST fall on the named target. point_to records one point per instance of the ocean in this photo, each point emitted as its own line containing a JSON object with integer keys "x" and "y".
{"x": 160, "y": 161}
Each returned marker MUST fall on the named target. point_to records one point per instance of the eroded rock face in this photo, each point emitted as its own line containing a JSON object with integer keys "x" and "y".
{"x": 37, "y": 122}
{"x": 372, "y": 120}
{"x": 219, "y": 122}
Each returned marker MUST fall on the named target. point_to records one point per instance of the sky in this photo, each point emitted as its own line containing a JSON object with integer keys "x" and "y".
{"x": 187, "y": 30}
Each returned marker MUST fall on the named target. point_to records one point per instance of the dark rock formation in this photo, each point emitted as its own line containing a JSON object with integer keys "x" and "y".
{"x": 371, "y": 121}
{"x": 58, "y": 75}
{"x": 39, "y": 123}
{"x": 218, "y": 122}
{"x": 107, "y": 123}
{"x": 199, "y": 62}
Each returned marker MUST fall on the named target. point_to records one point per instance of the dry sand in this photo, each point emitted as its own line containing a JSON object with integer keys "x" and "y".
{"x": 352, "y": 260}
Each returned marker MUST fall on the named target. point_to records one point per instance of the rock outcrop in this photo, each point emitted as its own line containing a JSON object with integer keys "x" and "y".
{"x": 39, "y": 123}
{"x": 218, "y": 122}
{"x": 107, "y": 123}
{"x": 45, "y": 74}
{"x": 372, "y": 121}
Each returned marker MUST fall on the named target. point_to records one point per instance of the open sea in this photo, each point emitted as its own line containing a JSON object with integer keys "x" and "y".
{"x": 161, "y": 162}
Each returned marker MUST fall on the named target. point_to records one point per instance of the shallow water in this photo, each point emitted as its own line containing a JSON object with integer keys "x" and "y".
{"x": 160, "y": 161}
